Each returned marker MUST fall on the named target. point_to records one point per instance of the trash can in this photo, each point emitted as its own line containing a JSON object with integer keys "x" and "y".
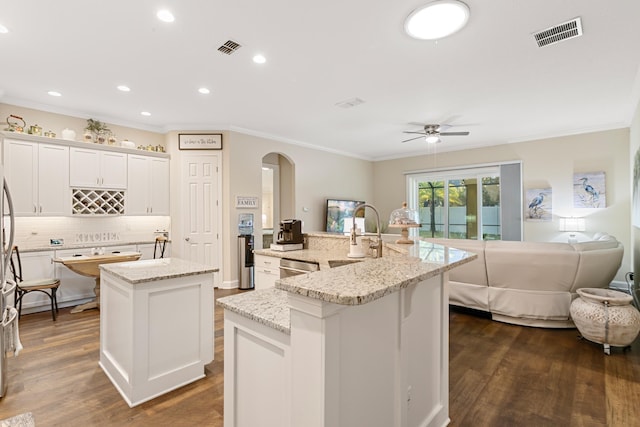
{"x": 245, "y": 261}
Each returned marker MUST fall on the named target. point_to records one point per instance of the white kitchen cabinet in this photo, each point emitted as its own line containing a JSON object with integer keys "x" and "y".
{"x": 148, "y": 186}
{"x": 38, "y": 177}
{"x": 266, "y": 271}
{"x": 156, "y": 326}
{"x": 97, "y": 169}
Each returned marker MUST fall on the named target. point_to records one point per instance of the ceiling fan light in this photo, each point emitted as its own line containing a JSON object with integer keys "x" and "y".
{"x": 437, "y": 19}
{"x": 432, "y": 139}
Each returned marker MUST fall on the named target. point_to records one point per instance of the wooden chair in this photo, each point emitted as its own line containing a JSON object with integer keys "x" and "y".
{"x": 158, "y": 249}
{"x": 48, "y": 286}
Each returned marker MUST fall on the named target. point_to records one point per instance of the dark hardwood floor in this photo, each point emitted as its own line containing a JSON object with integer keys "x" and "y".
{"x": 500, "y": 375}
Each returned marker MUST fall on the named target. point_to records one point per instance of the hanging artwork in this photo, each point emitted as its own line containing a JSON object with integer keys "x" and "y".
{"x": 589, "y": 190}
{"x": 538, "y": 204}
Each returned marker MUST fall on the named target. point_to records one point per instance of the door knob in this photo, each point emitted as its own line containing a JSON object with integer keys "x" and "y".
{"x": 186, "y": 239}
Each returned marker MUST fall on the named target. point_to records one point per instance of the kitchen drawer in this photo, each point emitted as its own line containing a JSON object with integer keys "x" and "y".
{"x": 262, "y": 261}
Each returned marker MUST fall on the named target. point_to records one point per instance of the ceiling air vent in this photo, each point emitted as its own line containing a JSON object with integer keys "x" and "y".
{"x": 229, "y": 47}
{"x": 566, "y": 30}
{"x": 350, "y": 103}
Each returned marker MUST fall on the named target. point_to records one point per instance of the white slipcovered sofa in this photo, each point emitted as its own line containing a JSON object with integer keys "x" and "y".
{"x": 531, "y": 283}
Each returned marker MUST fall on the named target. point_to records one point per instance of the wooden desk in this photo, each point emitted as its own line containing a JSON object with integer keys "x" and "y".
{"x": 88, "y": 265}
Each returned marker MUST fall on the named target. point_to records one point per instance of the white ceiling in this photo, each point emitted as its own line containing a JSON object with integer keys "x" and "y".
{"x": 490, "y": 79}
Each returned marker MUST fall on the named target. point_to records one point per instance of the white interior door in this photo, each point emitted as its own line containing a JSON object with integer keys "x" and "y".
{"x": 201, "y": 210}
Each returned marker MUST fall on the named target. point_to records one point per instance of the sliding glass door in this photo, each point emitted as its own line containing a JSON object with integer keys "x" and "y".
{"x": 461, "y": 204}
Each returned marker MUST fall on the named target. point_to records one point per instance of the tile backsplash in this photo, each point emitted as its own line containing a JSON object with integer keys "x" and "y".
{"x": 35, "y": 232}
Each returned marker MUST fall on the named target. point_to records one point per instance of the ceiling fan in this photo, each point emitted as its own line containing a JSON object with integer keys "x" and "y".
{"x": 432, "y": 133}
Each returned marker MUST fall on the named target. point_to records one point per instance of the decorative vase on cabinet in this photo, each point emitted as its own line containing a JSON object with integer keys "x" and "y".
{"x": 606, "y": 317}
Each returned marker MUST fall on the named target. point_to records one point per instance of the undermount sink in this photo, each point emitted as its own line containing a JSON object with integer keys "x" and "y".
{"x": 341, "y": 262}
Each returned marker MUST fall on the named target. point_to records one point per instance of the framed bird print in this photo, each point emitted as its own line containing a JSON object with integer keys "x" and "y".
{"x": 538, "y": 205}
{"x": 589, "y": 190}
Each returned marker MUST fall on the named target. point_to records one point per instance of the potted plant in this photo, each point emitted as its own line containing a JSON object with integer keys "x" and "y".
{"x": 98, "y": 130}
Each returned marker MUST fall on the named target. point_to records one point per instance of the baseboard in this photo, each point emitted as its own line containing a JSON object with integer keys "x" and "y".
{"x": 229, "y": 284}
{"x": 618, "y": 285}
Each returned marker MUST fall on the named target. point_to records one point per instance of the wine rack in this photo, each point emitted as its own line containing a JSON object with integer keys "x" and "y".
{"x": 97, "y": 202}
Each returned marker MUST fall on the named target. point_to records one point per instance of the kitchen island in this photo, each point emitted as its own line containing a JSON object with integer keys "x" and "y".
{"x": 361, "y": 344}
{"x": 156, "y": 325}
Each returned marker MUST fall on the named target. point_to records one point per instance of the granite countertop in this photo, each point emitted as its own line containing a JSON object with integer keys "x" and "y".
{"x": 152, "y": 270}
{"x": 361, "y": 283}
{"x": 352, "y": 284}
{"x": 266, "y": 306}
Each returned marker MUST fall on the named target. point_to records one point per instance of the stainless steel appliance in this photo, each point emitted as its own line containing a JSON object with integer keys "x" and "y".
{"x": 290, "y": 267}
{"x": 290, "y": 232}
{"x": 245, "y": 252}
{"x": 9, "y": 340}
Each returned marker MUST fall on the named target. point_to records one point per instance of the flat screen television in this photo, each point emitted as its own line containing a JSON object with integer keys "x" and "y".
{"x": 338, "y": 210}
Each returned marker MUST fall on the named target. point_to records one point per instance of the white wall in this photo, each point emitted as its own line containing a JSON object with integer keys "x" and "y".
{"x": 546, "y": 163}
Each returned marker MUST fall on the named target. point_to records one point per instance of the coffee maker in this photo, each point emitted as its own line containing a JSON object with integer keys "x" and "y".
{"x": 290, "y": 232}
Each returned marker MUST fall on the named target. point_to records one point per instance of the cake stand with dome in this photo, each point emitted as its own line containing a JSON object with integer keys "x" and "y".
{"x": 404, "y": 218}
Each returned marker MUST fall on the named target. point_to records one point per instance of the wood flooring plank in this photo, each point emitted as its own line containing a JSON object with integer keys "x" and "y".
{"x": 500, "y": 375}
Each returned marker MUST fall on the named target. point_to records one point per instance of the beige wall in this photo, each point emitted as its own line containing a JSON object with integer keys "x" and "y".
{"x": 318, "y": 175}
{"x": 56, "y": 122}
{"x": 545, "y": 163}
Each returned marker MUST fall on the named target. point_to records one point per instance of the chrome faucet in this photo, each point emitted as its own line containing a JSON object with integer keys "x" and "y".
{"x": 373, "y": 245}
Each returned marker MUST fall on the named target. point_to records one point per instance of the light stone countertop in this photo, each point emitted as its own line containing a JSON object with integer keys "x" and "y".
{"x": 152, "y": 270}
{"x": 266, "y": 306}
{"x": 352, "y": 284}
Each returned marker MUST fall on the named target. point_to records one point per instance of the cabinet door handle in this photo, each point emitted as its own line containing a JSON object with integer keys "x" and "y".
{"x": 35, "y": 209}
{"x": 40, "y": 208}
{"x": 151, "y": 209}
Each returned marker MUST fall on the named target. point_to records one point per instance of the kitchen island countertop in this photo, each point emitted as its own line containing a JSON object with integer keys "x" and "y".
{"x": 151, "y": 270}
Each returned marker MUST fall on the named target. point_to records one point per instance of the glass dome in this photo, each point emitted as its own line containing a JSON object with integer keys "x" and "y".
{"x": 404, "y": 217}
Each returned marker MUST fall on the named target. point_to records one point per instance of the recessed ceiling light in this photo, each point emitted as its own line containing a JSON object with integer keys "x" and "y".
{"x": 165, "y": 16}
{"x": 124, "y": 88}
{"x": 54, "y": 93}
{"x": 145, "y": 113}
{"x": 204, "y": 90}
{"x": 3, "y": 29}
{"x": 437, "y": 19}
{"x": 259, "y": 59}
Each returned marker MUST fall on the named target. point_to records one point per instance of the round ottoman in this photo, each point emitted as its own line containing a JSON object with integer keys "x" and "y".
{"x": 606, "y": 317}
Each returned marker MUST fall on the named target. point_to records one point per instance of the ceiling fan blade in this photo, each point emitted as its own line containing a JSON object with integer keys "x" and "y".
{"x": 409, "y": 131}
{"x": 443, "y": 127}
{"x": 454, "y": 133}
{"x": 407, "y": 140}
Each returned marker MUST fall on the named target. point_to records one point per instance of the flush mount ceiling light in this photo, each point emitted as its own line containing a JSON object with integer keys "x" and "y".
{"x": 3, "y": 29}
{"x": 145, "y": 113}
{"x": 204, "y": 91}
{"x": 165, "y": 16}
{"x": 124, "y": 88}
{"x": 54, "y": 93}
{"x": 259, "y": 59}
{"x": 437, "y": 19}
